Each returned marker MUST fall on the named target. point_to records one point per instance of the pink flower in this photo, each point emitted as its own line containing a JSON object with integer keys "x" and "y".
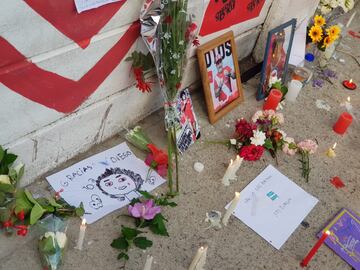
{"x": 308, "y": 146}
{"x": 251, "y": 152}
{"x": 146, "y": 210}
{"x": 280, "y": 118}
{"x": 288, "y": 146}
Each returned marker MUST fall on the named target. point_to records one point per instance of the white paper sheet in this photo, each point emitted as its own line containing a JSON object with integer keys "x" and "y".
{"x": 297, "y": 54}
{"x": 82, "y": 5}
{"x": 104, "y": 182}
{"x": 280, "y": 204}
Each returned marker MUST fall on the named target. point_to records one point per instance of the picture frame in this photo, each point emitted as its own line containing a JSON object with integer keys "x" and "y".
{"x": 220, "y": 75}
{"x": 276, "y": 56}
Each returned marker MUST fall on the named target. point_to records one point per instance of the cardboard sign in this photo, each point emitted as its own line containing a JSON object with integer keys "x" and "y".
{"x": 222, "y": 14}
{"x": 105, "y": 182}
{"x": 274, "y": 206}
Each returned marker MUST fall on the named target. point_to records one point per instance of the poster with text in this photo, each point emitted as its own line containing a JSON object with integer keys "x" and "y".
{"x": 105, "y": 182}
{"x": 274, "y": 206}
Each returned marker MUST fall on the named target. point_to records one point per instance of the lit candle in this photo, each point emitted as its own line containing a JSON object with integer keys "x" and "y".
{"x": 273, "y": 100}
{"x": 148, "y": 263}
{"x": 199, "y": 260}
{"x": 349, "y": 84}
{"x": 331, "y": 152}
{"x": 294, "y": 90}
{"x": 80, "y": 241}
{"x": 312, "y": 252}
{"x": 230, "y": 173}
{"x": 343, "y": 123}
{"x": 231, "y": 208}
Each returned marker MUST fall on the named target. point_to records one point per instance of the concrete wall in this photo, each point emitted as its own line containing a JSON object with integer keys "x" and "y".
{"x": 42, "y": 69}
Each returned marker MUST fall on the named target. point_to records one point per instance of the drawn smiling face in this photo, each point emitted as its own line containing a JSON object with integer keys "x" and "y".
{"x": 117, "y": 184}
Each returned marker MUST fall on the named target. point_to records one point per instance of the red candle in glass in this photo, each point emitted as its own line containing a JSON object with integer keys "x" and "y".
{"x": 343, "y": 123}
{"x": 312, "y": 252}
{"x": 273, "y": 100}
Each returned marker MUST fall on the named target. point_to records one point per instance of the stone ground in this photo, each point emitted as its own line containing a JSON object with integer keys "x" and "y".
{"x": 236, "y": 246}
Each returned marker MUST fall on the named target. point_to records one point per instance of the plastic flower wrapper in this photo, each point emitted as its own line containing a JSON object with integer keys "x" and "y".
{"x": 138, "y": 138}
{"x": 168, "y": 31}
{"x": 52, "y": 242}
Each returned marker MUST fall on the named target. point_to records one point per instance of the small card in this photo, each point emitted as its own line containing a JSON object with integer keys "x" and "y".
{"x": 105, "y": 182}
{"x": 189, "y": 130}
{"x": 82, "y": 5}
{"x": 345, "y": 237}
{"x": 274, "y": 206}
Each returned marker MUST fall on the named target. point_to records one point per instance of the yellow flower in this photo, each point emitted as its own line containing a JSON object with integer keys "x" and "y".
{"x": 327, "y": 41}
{"x": 316, "y": 33}
{"x": 333, "y": 32}
{"x": 319, "y": 20}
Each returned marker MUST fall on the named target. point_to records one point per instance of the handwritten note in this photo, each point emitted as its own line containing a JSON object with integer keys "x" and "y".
{"x": 105, "y": 182}
{"x": 82, "y": 5}
{"x": 273, "y": 206}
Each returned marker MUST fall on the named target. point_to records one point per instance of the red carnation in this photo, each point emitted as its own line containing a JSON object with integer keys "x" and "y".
{"x": 21, "y": 215}
{"x": 168, "y": 19}
{"x": 244, "y": 129}
{"x": 251, "y": 152}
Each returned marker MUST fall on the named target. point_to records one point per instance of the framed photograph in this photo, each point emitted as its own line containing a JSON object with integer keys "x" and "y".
{"x": 277, "y": 53}
{"x": 220, "y": 75}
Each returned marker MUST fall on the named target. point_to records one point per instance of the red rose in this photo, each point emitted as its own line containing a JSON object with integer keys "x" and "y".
{"x": 251, "y": 152}
{"x": 244, "y": 129}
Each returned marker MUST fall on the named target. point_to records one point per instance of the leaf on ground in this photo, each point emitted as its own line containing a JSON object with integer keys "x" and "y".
{"x": 157, "y": 225}
{"x": 36, "y": 213}
{"x": 120, "y": 243}
{"x": 142, "y": 242}
{"x": 130, "y": 233}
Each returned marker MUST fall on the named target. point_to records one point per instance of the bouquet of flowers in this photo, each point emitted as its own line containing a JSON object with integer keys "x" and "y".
{"x": 18, "y": 208}
{"x": 53, "y": 242}
{"x": 251, "y": 139}
{"x": 321, "y": 35}
{"x": 168, "y": 31}
{"x": 326, "y": 6}
{"x": 156, "y": 158}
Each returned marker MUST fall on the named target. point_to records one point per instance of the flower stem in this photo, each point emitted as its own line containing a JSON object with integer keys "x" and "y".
{"x": 170, "y": 168}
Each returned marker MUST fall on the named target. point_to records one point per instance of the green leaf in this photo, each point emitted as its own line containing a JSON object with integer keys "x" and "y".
{"x": 52, "y": 202}
{"x": 30, "y": 196}
{"x": 120, "y": 243}
{"x": 2, "y": 153}
{"x": 20, "y": 172}
{"x": 80, "y": 211}
{"x": 12, "y": 174}
{"x": 146, "y": 194}
{"x": 22, "y": 202}
{"x": 4, "y": 214}
{"x": 123, "y": 255}
{"x": 9, "y": 159}
{"x": 130, "y": 233}
{"x": 46, "y": 245}
{"x": 157, "y": 225}
{"x": 2, "y": 198}
{"x": 268, "y": 144}
{"x": 142, "y": 242}
{"x": 6, "y": 188}
{"x": 36, "y": 213}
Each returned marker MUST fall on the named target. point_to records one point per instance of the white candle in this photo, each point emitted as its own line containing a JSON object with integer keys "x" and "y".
{"x": 231, "y": 208}
{"x": 230, "y": 173}
{"x": 80, "y": 241}
{"x": 199, "y": 260}
{"x": 294, "y": 90}
{"x": 148, "y": 263}
{"x": 351, "y": 19}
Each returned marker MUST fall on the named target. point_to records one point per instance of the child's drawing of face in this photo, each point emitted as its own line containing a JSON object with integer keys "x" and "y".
{"x": 117, "y": 184}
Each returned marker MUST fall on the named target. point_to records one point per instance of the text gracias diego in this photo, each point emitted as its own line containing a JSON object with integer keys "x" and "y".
{"x": 84, "y": 169}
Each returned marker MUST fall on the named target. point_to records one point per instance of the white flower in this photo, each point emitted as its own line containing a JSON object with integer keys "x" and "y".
{"x": 273, "y": 79}
{"x": 49, "y": 234}
{"x": 256, "y": 116}
{"x": 325, "y": 10}
{"x": 173, "y": 72}
{"x": 5, "y": 179}
{"x": 176, "y": 56}
{"x": 347, "y": 5}
{"x": 181, "y": 42}
{"x": 167, "y": 35}
{"x": 61, "y": 239}
{"x": 280, "y": 118}
{"x": 282, "y": 133}
{"x": 233, "y": 141}
{"x": 258, "y": 138}
{"x": 334, "y": 3}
